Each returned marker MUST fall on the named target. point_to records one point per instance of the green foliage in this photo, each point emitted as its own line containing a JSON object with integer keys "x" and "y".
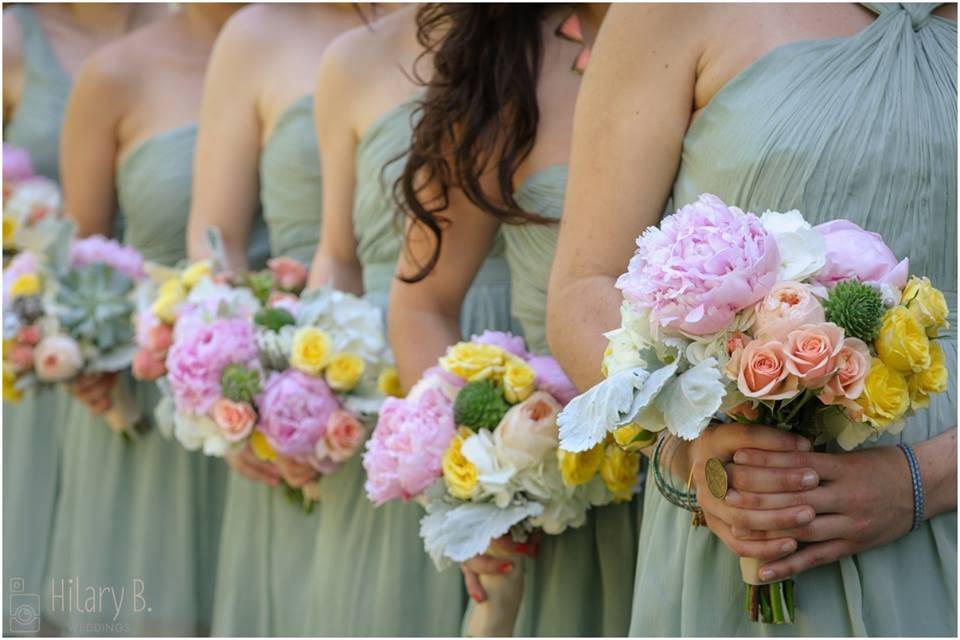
{"x": 261, "y": 284}
{"x": 239, "y": 383}
{"x": 274, "y": 319}
{"x": 479, "y": 405}
{"x": 857, "y": 308}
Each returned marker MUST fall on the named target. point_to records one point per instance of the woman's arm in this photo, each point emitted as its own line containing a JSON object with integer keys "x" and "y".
{"x": 335, "y": 261}
{"x": 12, "y": 64}
{"x": 226, "y": 173}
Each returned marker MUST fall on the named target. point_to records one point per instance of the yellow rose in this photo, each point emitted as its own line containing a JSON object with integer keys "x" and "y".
{"x": 619, "y": 470}
{"x": 902, "y": 343}
{"x": 310, "y": 350}
{"x": 388, "y": 383}
{"x": 885, "y": 397}
{"x": 170, "y": 295}
{"x": 929, "y": 381}
{"x": 579, "y": 468}
{"x": 26, "y": 285}
{"x": 10, "y": 392}
{"x": 9, "y": 228}
{"x": 459, "y": 474}
{"x": 261, "y": 448}
{"x": 518, "y": 381}
{"x": 633, "y": 437}
{"x": 344, "y": 372}
{"x": 475, "y": 361}
{"x": 195, "y": 273}
{"x": 927, "y": 305}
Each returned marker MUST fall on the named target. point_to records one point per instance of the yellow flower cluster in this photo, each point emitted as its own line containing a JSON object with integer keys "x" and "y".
{"x": 10, "y": 392}
{"x": 29, "y": 284}
{"x": 312, "y": 353}
{"x": 617, "y": 468}
{"x": 459, "y": 474}
{"x": 388, "y": 383}
{"x": 9, "y": 228}
{"x": 909, "y": 366}
{"x": 474, "y": 362}
{"x": 261, "y": 447}
{"x": 175, "y": 289}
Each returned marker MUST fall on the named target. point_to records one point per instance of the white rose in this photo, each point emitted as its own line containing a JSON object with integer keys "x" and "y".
{"x": 803, "y": 251}
{"x": 57, "y": 358}
{"x": 195, "y": 432}
{"x": 494, "y": 474}
{"x": 621, "y": 353}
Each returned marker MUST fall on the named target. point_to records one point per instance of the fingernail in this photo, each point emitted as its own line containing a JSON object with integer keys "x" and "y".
{"x": 804, "y": 517}
{"x": 809, "y": 479}
{"x": 506, "y": 567}
{"x": 767, "y": 574}
{"x": 732, "y": 497}
{"x": 475, "y": 597}
{"x": 521, "y": 547}
{"x": 740, "y": 457}
{"x": 804, "y": 445}
{"x": 787, "y": 546}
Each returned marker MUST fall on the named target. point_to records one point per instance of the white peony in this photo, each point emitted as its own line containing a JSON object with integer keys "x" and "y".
{"x": 353, "y": 324}
{"x": 210, "y": 298}
{"x": 803, "y": 250}
{"x": 199, "y": 432}
{"x": 621, "y": 353}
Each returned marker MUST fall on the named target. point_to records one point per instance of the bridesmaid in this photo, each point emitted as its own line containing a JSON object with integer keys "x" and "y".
{"x": 835, "y": 110}
{"x": 43, "y": 45}
{"x": 581, "y": 582}
{"x": 143, "y": 516}
{"x": 257, "y": 145}
{"x": 371, "y": 575}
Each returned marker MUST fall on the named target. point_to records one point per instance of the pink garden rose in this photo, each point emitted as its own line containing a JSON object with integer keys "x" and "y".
{"x": 811, "y": 352}
{"x": 29, "y": 334}
{"x": 787, "y": 306}
{"x": 403, "y": 455}
{"x": 853, "y": 253}
{"x": 100, "y": 250}
{"x": 761, "y": 372}
{"x": 344, "y": 436}
{"x": 503, "y": 339}
{"x": 21, "y": 356}
{"x": 16, "y": 163}
{"x": 853, "y": 362}
{"x": 57, "y": 358}
{"x": 158, "y": 338}
{"x": 552, "y": 379}
{"x": 289, "y": 274}
{"x": 295, "y": 409}
{"x": 527, "y": 434}
{"x": 235, "y": 419}
{"x": 436, "y": 378}
{"x": 286, "y": 301}
{"x": 148, "y": 365}
{"x": 23, "y": 263}
{"x": 700, "y": 267}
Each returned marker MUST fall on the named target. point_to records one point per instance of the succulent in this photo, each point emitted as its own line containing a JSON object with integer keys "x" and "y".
{"x": 273, "y": 319}
{"x": 239, "y": 383}
{"x": 261, "y": 284}
{"x": 857, "y": 308}
{"x": 94, "y": 304}
{"x": 479, "y": 405}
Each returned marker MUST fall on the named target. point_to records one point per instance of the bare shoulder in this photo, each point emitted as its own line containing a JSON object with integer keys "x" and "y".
{"x": 12, "y": 40}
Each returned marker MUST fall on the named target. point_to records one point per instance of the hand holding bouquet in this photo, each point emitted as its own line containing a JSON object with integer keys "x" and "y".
{"x": 476, "y": 441}
{"x": 769, "y": 321}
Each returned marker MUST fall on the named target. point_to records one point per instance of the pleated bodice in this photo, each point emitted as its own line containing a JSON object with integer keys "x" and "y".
{"x": 38, "y": 119}
{"x": 291, "y": 191}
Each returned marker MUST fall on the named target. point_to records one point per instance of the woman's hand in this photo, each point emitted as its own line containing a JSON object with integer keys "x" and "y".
{"x": 296, "y": 474}
{"x": 93, "y": 390}
{"x": 758, "y": 499}
{"x": 247, "y": 464}
{"x": 487, "y": 564}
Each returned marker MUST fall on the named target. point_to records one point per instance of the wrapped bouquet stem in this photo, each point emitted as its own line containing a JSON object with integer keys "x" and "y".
{"x": 497, "y": 615}
{"x": 766, "y": 602}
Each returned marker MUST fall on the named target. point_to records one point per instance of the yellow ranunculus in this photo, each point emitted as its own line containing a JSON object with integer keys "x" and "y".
{"x": 261, "y": 448}
{"x": 579, "y": 468}
{"x": 26, "y": 285}
{"x": 9, "y": 228}
{"x": 195, "y": 273}
{"x": 388, "y": 383}
{"x": 903, "y": 344}
{"x": 619, "y": 470}
{"x": 931, "y": 380}
{"x": 519, "y": 380}
{"x": 886, "y": 397}
{"x": 633, "y": 437}
{"x": 459, "y": 474}
{"x": 927, "y": 304}
{"x": 10, "y": 392}
{"x": 310, "y": 351}
{"x": 475, "y": 361}
{"x": 344, "y": 372}
{"x": 171, "y": 294}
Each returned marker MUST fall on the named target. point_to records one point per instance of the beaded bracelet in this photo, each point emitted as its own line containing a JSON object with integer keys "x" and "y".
{"x": 683, "y": 499}
{"x": 918, "y": 499}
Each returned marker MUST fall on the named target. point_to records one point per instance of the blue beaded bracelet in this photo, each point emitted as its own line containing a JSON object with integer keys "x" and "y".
{"x": 917, "y": 480}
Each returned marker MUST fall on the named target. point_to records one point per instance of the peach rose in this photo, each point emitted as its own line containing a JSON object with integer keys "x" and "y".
{"x": 812, "y": 353}
{"x": 235, "y": 419}
{"x": 746, "y": 410}
{"x": 788, "y": 306}
{"x": 736, "y": 340}
{"x": 762, "y": 371}
{"x": 527, "y": 433}
{"x": 343, "y": 437}
{"x": 159, "y": 338}
{"x": 148, "y": 365}
{"x": 30, "y": 334}
{"x": 57, "y": 358}
{"x": 853, "y": 362}
{"x": 290, "y": 275}
{"x": 21, "y": 357}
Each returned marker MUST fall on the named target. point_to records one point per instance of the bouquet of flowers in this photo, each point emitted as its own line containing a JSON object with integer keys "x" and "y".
{"x": 765, "y": 320}
{"x": 31, "y": 204}
{"x": 69, "y": 312}
{"x": 476, "y": 441}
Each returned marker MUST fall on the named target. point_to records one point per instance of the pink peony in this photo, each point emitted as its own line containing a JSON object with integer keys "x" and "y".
{"x": 100, "y": 250}
{"x": 289, "y": 274}
{"x": 853, "y": 362}
{"x": 16, "y": 163}
{"x": 786, "y": 307}
{"x": 702, "y": 265}
{"x": 761, "y": 372}
{"x": 404, "y": 454}
{"x": 197, "y": 358}
{"x": 853, "y": 253}
{"x": 148, "y": 365}
{"x": 235, "y": 419}
{"x": 57, "y": 358}
{"x": 505, "y": 340}
{"x": 295, "y": 409}
{"x": 552, "y": 379}
{"x": 344, "y": 436}
{"x": 21, "y": 264}
{"x": 436, "y": 378}
{"x": 811, "y": 352}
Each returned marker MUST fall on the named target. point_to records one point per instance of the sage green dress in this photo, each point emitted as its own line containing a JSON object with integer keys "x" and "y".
{"x": 581, "y": 583}
{"x": 372, "y": 576}
{"x": 143, "y": 515}
{"x": 863, "y": 128}
{"x": 31, "y": 427}
{"x": 262, "y": 587}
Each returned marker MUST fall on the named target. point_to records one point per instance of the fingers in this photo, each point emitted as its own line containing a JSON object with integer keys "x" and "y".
{"x": 767, "y": 480}
{"x": 822, "y": 528}
{"x": 254, "y": 469}
{"x": 828, "y": 466}
{"x": 809, "y": 557}
{"x": 823, "y": 499}
{"x": 740, "y": 436}
{"x": 761, "y": 549}
{"x": 488, "y": 565}
{"x": 472, "y": 582}
{"x": 296, "y": 474}
{"x": 764, "y": 520}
